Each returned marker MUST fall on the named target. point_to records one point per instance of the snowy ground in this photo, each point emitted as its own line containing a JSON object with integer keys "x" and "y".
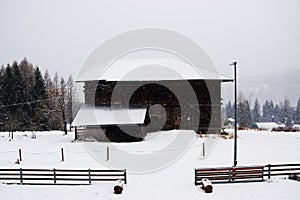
{"x": 174, "y": 181}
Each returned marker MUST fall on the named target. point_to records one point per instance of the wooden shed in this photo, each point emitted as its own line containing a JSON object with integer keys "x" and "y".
{"x": 133, "y": 97}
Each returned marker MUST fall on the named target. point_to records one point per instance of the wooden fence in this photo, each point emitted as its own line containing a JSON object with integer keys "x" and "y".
{"x": 60, "y": 176}
{"x": 245, "y": 174}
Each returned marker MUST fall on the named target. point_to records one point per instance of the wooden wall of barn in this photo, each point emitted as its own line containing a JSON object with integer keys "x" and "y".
{"x": 165, "y": 93}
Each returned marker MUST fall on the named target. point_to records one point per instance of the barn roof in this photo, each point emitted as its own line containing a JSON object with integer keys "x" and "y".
{"x": 99, "y": 115}
{"x": 148, "y": 70}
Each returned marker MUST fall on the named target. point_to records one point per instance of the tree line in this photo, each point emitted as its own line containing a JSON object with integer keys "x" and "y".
{"x": 32, "y": 101}
{"x": 282, "y": 113}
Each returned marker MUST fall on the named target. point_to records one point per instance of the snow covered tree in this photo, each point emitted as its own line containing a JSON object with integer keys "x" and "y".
{"x": 287, "y": 112}
{"x": 289, "y": 121}
{"x": 267, "y": 111}
{"x": 277, "y": 114}
{"x": 256, "y": 114}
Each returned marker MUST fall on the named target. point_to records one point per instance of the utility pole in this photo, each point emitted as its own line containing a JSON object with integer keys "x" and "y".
{"x": 234, "y": 63}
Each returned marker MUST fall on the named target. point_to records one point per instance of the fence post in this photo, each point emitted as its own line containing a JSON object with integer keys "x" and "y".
{"x": 20, "y": 154}
{"x": 54, "y": 175}
{"x": 262, "y": 174}
{"x": 62, "y": 155}
{"x": 21, "y": 176}
{"x": 107, "y": 153}
{"x": 195, "y": 176}
{"x": 76, "y": 133}
{"x": 269, "y": 171}
{"x": 90, "y": 180}
{"x": 125, "y": 176}
{"x": 229, "y": 175}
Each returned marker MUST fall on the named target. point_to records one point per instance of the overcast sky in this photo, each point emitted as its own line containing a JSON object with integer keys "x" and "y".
{"x": 262, "y": 35}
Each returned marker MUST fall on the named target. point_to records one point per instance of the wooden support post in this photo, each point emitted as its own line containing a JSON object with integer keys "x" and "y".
{"x": 54, "y": 175}
{"x": 269, "y": 171}
{"x": 62, "y": 155}
{"x": 107, "y": 153}
{"x": 90, "y": 180}
{"x": 125, "y": 176}
{"x": 21, "y": 176}
{"x": 262, "y": 173}
{"x": 195, "y": 176}
{"x": 20, "y": 155}
{"x": 76, "y": 134}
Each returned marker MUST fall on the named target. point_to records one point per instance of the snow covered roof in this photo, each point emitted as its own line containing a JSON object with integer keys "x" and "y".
{"x": 230, "y": 119}
{"x": 96, "y": 115}
{"x": 268, "y": 125}
{"x": 148, "y": 70}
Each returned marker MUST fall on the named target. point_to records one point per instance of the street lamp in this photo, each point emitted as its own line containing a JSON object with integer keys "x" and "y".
{"x": 234, "y": 63}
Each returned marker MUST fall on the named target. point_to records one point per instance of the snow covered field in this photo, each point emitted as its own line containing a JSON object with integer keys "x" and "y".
{"x": 171, "y": 181}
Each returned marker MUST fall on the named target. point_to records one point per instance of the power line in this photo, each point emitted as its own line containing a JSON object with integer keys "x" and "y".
{"x": 27, "y": 102}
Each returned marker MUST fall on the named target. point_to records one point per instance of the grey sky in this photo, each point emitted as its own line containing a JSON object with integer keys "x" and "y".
{"x": 263, "y": 35}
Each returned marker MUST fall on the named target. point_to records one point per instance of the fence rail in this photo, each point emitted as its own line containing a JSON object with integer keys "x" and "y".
{"x": 246, "y": 173}
{"x": 60, "y": 176}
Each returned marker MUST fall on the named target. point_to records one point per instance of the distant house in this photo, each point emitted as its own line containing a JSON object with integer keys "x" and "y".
{"x": 119, "y": 102}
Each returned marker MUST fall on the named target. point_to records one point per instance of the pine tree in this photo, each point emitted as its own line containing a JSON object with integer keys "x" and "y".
{"x": 289, "y": 121}
{"x": 267, "y": 115}
{"x": 2, "y": 108}
{"x": 244, "y": 114}
{"x": 39, "y": 94}
{"x": 287, "y": 112}
{"x": 256, "y": 114}
{"x": 277, "y": 114}
{"x": 229, "y": 110}
{"x": 9, "y": 99}
{"x": 297, "y": 112}
{"x": 19, "y": 91}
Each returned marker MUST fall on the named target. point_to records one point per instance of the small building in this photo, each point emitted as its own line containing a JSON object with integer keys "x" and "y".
{"x": 137, "y": 96}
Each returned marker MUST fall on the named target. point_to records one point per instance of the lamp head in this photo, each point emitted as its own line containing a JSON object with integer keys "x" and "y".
{"x": 233, "y": 63}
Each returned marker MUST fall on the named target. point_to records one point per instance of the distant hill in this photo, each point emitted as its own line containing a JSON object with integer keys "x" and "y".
{"x": 275, "y": 87}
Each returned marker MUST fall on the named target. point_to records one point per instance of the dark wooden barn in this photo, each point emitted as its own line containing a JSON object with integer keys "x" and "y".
{"x": 125, "y": 109}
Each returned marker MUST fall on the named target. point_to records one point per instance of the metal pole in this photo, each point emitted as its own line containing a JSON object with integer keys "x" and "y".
{"x": 235, "y": 115}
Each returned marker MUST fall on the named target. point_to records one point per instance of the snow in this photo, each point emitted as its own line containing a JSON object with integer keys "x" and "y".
{"x": 148, "y": 70}
{"x": 296, "y": 126}
{"x": 174, "y": 181}
{"x": 96, "y": 115}
{"x": 268, "y": 125}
